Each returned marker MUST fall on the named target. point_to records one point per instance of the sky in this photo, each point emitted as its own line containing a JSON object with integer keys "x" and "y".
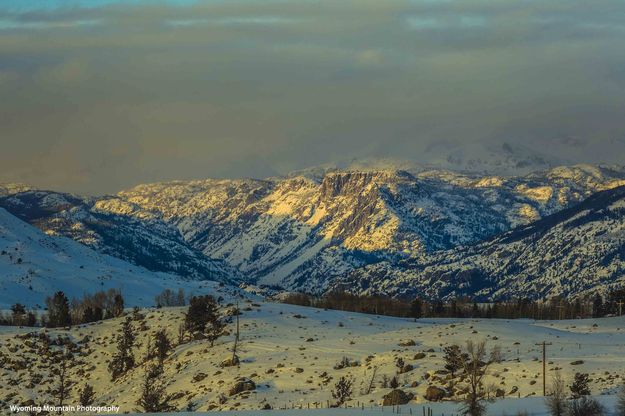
{"x": 100, "y": 95}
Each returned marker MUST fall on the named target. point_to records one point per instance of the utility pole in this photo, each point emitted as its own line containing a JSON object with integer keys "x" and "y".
{"x": 544, "y": 345}
{"x": 620, "y": 307}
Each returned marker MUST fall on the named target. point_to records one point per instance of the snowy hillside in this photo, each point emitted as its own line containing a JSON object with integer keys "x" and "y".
{"x": 34, "y": 265}
{"x": 290, "y": 355}
{"x": 577, "y": 250}
{"x": 116, "y": 228}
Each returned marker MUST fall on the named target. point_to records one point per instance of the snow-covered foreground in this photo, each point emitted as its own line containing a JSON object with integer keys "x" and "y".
{"x": 530, "y": 406}
{"x": 289, "y": 353}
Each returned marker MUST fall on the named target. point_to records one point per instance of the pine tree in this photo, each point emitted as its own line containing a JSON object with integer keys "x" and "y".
{"x": 91, "y": 314}
{"x": 162, "y": 345}
{"x": 196, "y": 317}
{"x": 123, "y": 360}
{"x": 454, "y": 359}
{"x": 580, "y": 387}
{"x": 215, "y": 328}
{"x": 202, "y": 319}
{"x": 153, "y": 395}
{"x": 58, "y": 310}
{"x": 342, "y": 390}
{"x": 86, "y": 396}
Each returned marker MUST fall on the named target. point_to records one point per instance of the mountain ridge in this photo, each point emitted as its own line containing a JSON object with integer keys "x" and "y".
{"x": 577, "y": 251}
{"x": 309, "y": 232}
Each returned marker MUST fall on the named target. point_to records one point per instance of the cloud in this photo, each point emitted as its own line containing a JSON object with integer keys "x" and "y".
{"x": 100, "y": 95}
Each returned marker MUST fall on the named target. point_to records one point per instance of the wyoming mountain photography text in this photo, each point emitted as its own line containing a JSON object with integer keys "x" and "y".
{"x": 312, "y": 207}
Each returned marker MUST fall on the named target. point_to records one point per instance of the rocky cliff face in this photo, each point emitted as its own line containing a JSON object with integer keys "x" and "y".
{"x": 301, "y": 232}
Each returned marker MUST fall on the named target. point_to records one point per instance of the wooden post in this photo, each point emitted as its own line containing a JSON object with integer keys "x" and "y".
{"x": 544, "y": 345}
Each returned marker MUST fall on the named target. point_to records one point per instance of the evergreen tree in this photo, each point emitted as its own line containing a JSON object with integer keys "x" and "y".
{"x": 196, "y": 317}
{"x": 91, "y": 314}
{"x": 215, "y": 328}
{"x": 58, "y": 310}
{"x": 454, "y": 359}
{"x": 202, "y": 319}
{"x": 162, "y": 345}
{"x": 153, "y": 395}
{"x": 342, "y": 390}
{"x": 580, "y": 387}
{"x": 124, "y": 359}
{"x": 86, "y": 396}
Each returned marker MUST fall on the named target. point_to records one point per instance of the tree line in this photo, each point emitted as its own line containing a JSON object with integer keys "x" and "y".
{"x": 555, "y": 308}
{"x": 61, "y": 312}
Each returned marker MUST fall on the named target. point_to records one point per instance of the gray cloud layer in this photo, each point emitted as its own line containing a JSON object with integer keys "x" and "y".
{"x": 93, "y": 99}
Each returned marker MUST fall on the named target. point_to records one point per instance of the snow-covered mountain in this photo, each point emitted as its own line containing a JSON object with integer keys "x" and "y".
{"x": 575, "y": 251}
{"x": 300, "y": 232}
{"x": 306, "y": 231}
{"x": 34, "y": 265}
{"x": 116, "y": 228}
